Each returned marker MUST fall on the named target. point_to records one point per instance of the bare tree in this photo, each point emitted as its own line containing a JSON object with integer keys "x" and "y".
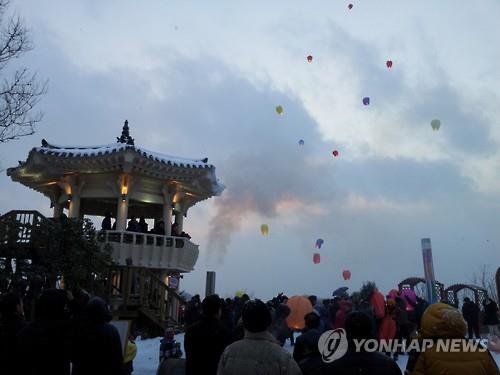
{"x": 486, "y": 280}
{"x": 21, "y": 91}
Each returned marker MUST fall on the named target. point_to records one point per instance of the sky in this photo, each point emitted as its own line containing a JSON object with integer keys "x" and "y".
{"x": 202, "y": 79}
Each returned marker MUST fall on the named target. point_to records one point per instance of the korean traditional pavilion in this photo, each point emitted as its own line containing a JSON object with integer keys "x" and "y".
{"x": 126, "y": 180}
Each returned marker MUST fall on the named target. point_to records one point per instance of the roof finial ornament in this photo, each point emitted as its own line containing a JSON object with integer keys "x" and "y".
{"x": 125, "y": 137}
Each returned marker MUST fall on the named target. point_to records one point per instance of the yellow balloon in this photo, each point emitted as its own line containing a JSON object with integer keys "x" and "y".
{"x": 264, "y": 229}
{"x": 279, "y": 110}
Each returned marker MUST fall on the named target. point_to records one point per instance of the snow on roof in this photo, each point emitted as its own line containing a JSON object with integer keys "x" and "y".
{"x": 83, "y": 151}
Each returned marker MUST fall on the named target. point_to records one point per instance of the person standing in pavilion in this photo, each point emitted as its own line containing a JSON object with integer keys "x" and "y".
{"x": 143, "y": 225}
{"x": 106, "y": 222}
{"x": 133, "y": 225}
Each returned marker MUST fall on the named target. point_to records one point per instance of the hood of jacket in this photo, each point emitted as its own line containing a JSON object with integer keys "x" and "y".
{"x": 442, "y": 320}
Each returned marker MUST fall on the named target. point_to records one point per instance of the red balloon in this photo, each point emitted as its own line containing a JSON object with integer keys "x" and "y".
{"x": 309, "y": 58}
{"x": 316, "y": 258}
{"x": 389, "y": 63}
{"x": 335, "y": 153}
{"x": 346, "y": 274}
{"x": 350, "y": 6}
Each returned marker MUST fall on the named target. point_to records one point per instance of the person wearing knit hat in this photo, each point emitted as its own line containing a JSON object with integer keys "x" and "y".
{"x": 205, "y": 340}
{"x": 258, "y": 352}
{"x": 442, "y": 321}
{"x": 359, "y": 326}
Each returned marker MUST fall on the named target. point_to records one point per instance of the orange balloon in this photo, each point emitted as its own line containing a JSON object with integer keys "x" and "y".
{"x": 299, "y": 306}
{"x": 346, "y": 274}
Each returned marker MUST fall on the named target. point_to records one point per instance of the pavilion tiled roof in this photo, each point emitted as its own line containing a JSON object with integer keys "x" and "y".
{"x": 92, "y": 151}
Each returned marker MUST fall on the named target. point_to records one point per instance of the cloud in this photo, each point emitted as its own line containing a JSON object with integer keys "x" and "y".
{"x": 209, "y": 89}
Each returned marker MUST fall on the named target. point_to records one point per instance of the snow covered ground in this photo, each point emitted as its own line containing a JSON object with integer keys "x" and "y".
{"x": 146, "y": 361}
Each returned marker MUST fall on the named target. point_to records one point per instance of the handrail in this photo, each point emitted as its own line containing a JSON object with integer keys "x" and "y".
{"x": 138, "y": 286}
{"x": 138, "y": 238}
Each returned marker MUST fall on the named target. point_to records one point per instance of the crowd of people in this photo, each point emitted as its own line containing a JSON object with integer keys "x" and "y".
{"x": 244, "y": 336}
{"x": 141, "y": 226}
{"x": 70, "y": 334}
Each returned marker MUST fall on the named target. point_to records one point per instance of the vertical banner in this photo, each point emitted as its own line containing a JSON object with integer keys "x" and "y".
{"x": 430, "y": 280}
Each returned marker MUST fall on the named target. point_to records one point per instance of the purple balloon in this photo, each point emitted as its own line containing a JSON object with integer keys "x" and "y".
{"x": 366, "y": 100}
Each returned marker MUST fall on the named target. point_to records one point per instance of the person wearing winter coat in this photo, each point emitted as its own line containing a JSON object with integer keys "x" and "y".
{"x": 205, "y": 340}
{"x": 306, "y": 352}
{"x": 129, "y": 356}
{"x": 344, "y": 308}
{"x": 388, "y": 328}
{"x": 258, "y": 352}
{"x": 490, "y": 318}
{"x": 97, "y": 348}
{"x": 44, "y": 344}
{"x": 11, "y": 323}
{"x": 324, "y": 314}
{"x": 332, "y": 310}
{"x": 442, "y": 321}
{"x": 359, "y": 326}
{"x": 420, "y": 308}
{"x": 279, "y": 328}
{"x": 193, "y": 311}
{"x": 470, "y": 312}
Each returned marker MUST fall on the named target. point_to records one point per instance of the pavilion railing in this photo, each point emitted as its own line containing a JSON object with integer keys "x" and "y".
{"x": 137, "y": 238}
{"x": 138, "y": 287}
{"x": 150, "y": 250}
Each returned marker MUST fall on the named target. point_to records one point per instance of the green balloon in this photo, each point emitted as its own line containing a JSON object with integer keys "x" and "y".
{"x": 279, "y": 110}
{"x": 435, "y": 124}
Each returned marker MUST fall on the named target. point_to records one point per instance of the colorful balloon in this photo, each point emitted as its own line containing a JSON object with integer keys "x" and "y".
{"x": 393, "y": 293}
{"x": 335, "y": 153}
{"x": 299, "y": 307}
{"x": 264, "y": 229}
{"x": 389, "y": 64}
{"x": 377, "y": 303}
{"x": 309, "y": 59}
{"x": 316, "y": 258}
{"x": 350, "y": 6}
{"x": 410, "y": 298}
{"x": 366, "y": 100}
{"x": 319, "y": 243}
{"x": 279, "y": 110}
{"x": 301, "y": 142}
{"x": 346, "y": 274}
{"x": 435, "y": 124}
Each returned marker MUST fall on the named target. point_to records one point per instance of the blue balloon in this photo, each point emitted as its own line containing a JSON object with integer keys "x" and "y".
{"x": 301, "y": 142}
{"x": 319, "y": 243}
{"x": 366, "y": 100}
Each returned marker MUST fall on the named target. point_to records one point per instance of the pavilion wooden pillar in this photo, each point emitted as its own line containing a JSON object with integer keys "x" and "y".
{"x": 58, "y": 206}
{"x": 122, "y": 204}
{"x": 58, "y": 210}
{"x": 167, "y": 210}
{"x": 76, "y": 186}
{"x": 179, "y": 220}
